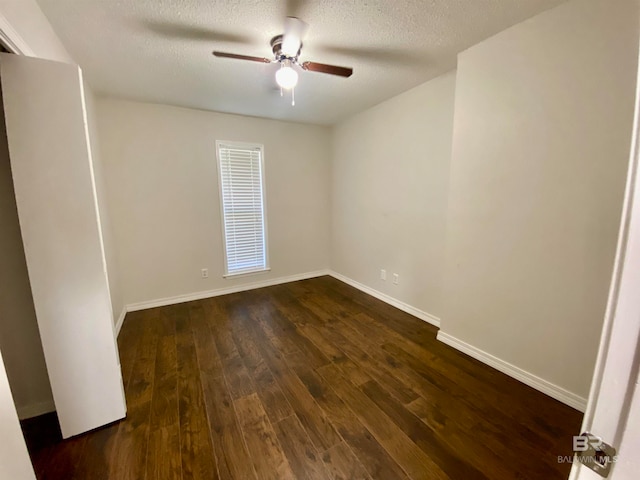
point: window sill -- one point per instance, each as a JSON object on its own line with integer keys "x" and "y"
{"x": 244, "y": 274}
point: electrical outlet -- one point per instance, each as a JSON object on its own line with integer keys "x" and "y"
{"x": 383, "y": 274}
{"x": 396, "y": 279}
{"x": 205, "y": 273}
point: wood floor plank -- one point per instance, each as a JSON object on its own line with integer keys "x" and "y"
{"x": 370, "y": 362}
{"x": 272, "y": 397}
{"x": 493, "y": 462}
{"x": 518, "y": 424}
{"x": 128, "y": 341}
{"x": 310, "y": 379}
{"x": 342, "y": 464}
{"x": 352, "y": 300}
{"x": 468, "y": 386}
{"x": 268, "y": 457}
{"x": 431, "y": 443}
{"x": 300, "y": 451}
{"x": 164, "y": 459}
{"x": 128, "y": 457}
{"x": 240, "y": 383}
{"x": 208, "y": 357}
{"x": 406, "y": 453}
{"x": 198, "y": 462}
{"x": 232, "y": 456}
{"x": 265, "y": 316}
{"x": 372, "y": 455}
{"x": 326, "y": 347}
{"x": 164, "y": 405}
{"x": 68, "y": 459}
{"x": 401, "y": 371}
{"x": 320, "y": 430}
{"x": 314, "y": 355}
{"x": 458, "y": 409}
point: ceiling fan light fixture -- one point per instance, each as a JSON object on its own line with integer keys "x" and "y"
{"x": 286, "y": 76}
{"x": 286, "y": 50}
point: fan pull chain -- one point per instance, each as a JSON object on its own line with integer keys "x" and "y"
{"x": 281, "y": 92}
{"x": 293, "y": 97}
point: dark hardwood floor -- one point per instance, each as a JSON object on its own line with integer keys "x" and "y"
{"x": 307, "y": 380}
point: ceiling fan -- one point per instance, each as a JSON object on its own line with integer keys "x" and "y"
{"x": 286, "y": 50}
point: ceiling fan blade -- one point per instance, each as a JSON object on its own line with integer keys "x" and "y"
{"x": 194, "y": 32}
{"x": 241, "y": 57}
{"x": 330, "y": 69}
{"x": 294, "y": 32}
{"x": 378, "y": 55}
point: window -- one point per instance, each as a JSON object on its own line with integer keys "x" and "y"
{"x": 241, "y": 178}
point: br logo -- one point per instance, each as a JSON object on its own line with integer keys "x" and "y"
{"x": 586, "y": 443}
{"x": 595, "y": 454}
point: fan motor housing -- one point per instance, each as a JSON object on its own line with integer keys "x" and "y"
{"x": 276, "y": 47}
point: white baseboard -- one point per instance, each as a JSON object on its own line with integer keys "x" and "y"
{"x": 120, "y": 320}
{"x": 548, "y": 388}
{"x": 161, "y": 302}
{"x": 35, "y": 409}
{"x": 405, "y": 307}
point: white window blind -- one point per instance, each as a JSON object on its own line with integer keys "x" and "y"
{"x": 242, "y": 199}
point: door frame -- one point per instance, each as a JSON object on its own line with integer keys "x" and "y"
{"x": 618, "y": 362}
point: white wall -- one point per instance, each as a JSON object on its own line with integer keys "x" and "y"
{"x": 541, "y": 142}
{"x": 390, "y": 181}
{"x": 162, "y": 186}
{"x": 19, "y": 336}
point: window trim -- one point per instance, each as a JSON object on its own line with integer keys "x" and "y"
{"x": 260, "y": 146}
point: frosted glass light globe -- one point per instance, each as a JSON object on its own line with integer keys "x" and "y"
{"x": 287, "y": 78}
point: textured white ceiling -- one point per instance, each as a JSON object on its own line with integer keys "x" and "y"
{"x": 160, "y": 50}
